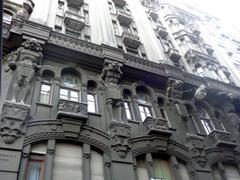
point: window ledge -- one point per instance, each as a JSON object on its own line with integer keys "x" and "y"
{"x": 132, "y": 121}
{"x": 94, "y": 114}
{"x": 44, "y": 104}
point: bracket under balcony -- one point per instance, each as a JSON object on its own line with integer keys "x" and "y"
{"x": 119, "y": 3}
{"x": 74, "y": 21}
{"x": 75, "y": 3}
{"x": 124, "y": 19}
{"x": 72, "y": 109}
{"x": 223, "y": 139}
{"x": 162, "y": 32}
{"x": 131, "y": 40}
{"x": 157, "y": 126}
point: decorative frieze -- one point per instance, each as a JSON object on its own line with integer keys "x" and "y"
{"x": 120, "y": 135}
{"x": 194, "y": 56}
{"x": 157, "y": 126}
{"x": 219, "y": 138}
{"x": 73, "y": 109}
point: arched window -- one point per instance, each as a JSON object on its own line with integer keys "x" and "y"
{"x": 127, "y": 104}
{"x": 70, "y": 86}
{"x": 92, "y": 96}
{"x": 46, "y": 87}
{"x": 205, "y": 120}
{"x": 144, "y": 103}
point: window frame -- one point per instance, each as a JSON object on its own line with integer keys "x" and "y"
{"x": 69, "y": 90}
{"x": 95, "y": 102}
{"x": 50, "y": 92}
{"x": 39, "y": 158}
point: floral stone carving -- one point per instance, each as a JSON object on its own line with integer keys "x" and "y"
{"x": 120, "y": 134}
{"x": 72, "y": 109}
{"x": 157, "y": 126}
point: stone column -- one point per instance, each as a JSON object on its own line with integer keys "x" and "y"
{"x": 24, "y": 162}
{"x": 86, "y": 161}
{"x": 49, "y": 159}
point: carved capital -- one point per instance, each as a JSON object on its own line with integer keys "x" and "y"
{"x": 120, "y": 135}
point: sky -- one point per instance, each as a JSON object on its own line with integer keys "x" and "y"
{"x": 227, "y": 10}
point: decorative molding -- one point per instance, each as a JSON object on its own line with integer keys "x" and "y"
{"x": 120, "y": 135}
{"x": 65, "y": 41}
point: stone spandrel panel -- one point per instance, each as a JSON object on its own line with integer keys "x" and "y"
{"x": 9, "y": 160}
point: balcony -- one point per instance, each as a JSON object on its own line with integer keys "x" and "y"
{"x": 119, "y": 3}
{"x": 174, "y": 55}
{"x": 72, "y": 109}
{"x": 221, "y": 139}
{"x": 195, "y": 29}
{"x": 130, "y": 40}
{"x": 124, "y": 18}
{"x": 196, "y": 56}
{"x": 75, "y": 3}
{"x": 157, "y": 126}
{"x": 74, "y": 21}
{"x": 209, "y": 49}
{"x": 153, "y": 14}
{"x": 162, "y": 32}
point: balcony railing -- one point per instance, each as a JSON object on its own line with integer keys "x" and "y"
{"x": 74, "y": 21}
{"x": 131, "y": 40}
{"x": 157, "y": 126}
{"x": 174, "y": 55}
{"x": 153, "y": 14}
{"x": 119, "y": 3}
{"x": 193, "y": 55}
{"x": 75, "y": 3}
{"x": 162, "y": 32}
{"x": 124, "y": 19}
{"x": 73, "y": 109}
{"x": 221, "y": 139}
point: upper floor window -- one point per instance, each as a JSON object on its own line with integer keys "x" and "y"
{"x": 92, "y": 96}
{"x": 127, "y": 104}
{"x": 70, "y": 86}
{"x": 7, "y": 18}
{"x": 46, "y": 87}
{"x": 205, "y": 120}
{"x": 115, "y": 27}
{"x": 144, "y": 103}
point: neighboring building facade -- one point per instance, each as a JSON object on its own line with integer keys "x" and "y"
{"x": 115, "y": 89}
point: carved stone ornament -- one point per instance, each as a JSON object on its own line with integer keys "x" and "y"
{"x": 10, "y": 130}
{"x": 157, "y": 126}
{"x": 120, "y": 134}
{"x": 197, "y": 149}
{"x": 111, "y": 76}
{"x": 13, "y": 117}
{"x": 24, "y": 62}
{"x": 201, "y": 92}
{"x": 72, "y": 109}
{"x": 174, "y": 89}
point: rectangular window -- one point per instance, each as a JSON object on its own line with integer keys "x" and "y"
{"x": 58, "y": 21}
{"x": 128, "y": 110}
{"x": 35, "y": 168}
{"x": 45, "y": 94}
{"x": 208, "y": 127}
{"x": 87, "y": 38}
{"x": 145, "y": 111}
{"x": 91, "y": 100}
{"x": 69, "y": 94}
{"x": 115, "y": 27}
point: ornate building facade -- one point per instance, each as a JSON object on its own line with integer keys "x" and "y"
{"x": 115, "y": 89}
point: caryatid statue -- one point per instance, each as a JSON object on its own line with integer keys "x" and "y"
{"x": 25, "y": 61}
{"x": 111, "y": 75}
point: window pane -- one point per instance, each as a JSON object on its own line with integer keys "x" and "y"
{"x": 45, "y": 94}
{"x": 91, "y": 107}
{"x": 90, "y": 97}
{"x": 74, "y": 95}
{"x": 96, "y": 162}
{"x": 67, "y": 162}
{"x": 162, "y": 169}
{"x": 231, "y": 172}
{"x": 127, "y": 110}
{"x": 64, "y": 93}
{"x": 143, "y": 116}
{"x": 34, "y": 170}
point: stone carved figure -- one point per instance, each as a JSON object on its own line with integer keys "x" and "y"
{"x": 111, "y": 75}
{"x": 10, "y": 130}
{"x": 25, "y": 61}
{"x": 174, "y": 89}
{"x": 120, "y": 134}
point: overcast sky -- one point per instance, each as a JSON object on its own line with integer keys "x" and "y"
{"x": 227, "y": 10}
